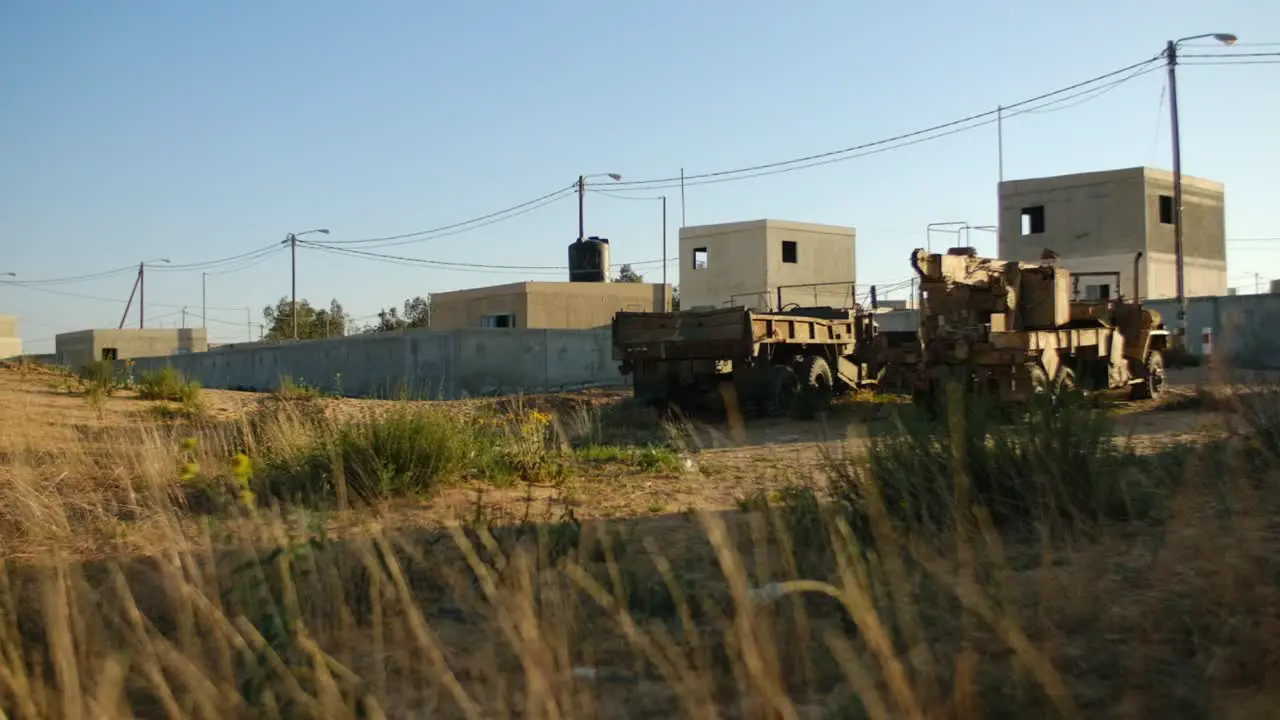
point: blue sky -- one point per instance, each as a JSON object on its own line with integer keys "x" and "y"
{"x": 196, "y": 131}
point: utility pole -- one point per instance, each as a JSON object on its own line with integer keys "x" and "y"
{"x": 582, "y": 191}
{"x": 665, "y": 302}
{"x": 248, "y": 325}
{"x": 142, "y": 294}
{"x": 1171, "y": 60}
{"x": 292, "y": 241}
{"x": 1171, "y": 56}
{"x": 204, "y": 302}
{"x": 293, "y": 281}
{"x": 184, "y": 317}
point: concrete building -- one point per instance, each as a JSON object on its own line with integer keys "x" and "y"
{"x": 544, "y": 305}
{"x": 1099, "y": 221}
{"x": 10, "y": 343}
{"x": 745, "y": 263}
{"x": 82, "y": 347}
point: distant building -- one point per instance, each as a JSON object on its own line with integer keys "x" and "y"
{"x": 1100, "y": 221}
{"x": 82, "y": 347}
{"x": 10, "y": 343}
{"x": 751, "y": 263}
{"x": 544, "y": 305}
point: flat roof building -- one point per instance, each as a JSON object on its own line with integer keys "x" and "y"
{"x": 1100, "y": 221}
{"x": 545, "y": 305}
{"x": 77, "y": 349}
{"x": 10, "y": 343}
{"x": 751, "y": 263}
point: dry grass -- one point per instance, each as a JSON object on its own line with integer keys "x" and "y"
{"x": 820, "y": 599}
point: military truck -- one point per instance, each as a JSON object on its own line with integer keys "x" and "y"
{"x": 773, "y": 363}
{"x": 1013, "y": 329}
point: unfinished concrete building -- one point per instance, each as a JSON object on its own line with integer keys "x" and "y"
{"x": 1098, "y": 222}
{"x": 10, "y": 343}
{"x": 751, "y": 263}
{"x": 544, "y": 305}
{"x": 77, "y": 349}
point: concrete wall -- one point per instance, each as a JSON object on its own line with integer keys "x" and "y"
{"x": 745, "y": 264}
{"x": 546, "y": 305}
{"x": 424, "y": 363}
{"x": 1098, "y": 221}
{"x": 85, "y": 346}
{"x": 1240, "y": 325}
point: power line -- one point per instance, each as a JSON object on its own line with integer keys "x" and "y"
{"x": 1097, "y": 92}
{"x": 463, "y": 266}
{"x": 463, "y": 226}
{"x": 886, "y": 145}
{"x": 1233, "y": 62}
{"x": 1229, "y": 55}
{"x": 77, "y": 278}
{"x": 886, "y": 141}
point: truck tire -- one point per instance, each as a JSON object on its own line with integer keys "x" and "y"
{"x": 819, "y": 386}
{"x": 1151, "y": 383}
{"x": 1066, "y": 380}
{"x": 782, "y": 390}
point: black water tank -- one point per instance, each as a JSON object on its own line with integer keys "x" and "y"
{"x": 589, "y": 260}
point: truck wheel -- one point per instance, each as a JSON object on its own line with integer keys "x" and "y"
{"x": 819, "y": 387}
{"x": 1151, "y": 384}
{"x": 1066, "y": 380}
{"x": 783, "y": 386}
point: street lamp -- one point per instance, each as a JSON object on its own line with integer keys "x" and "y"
{"x": 292, "y": 241}
{"x": 142, "y": 289}
{"x": 1171, "y": 58}
{"x": 9, "y": 274}
{"x": 582, "y": 191}
{"x": 929, "y": 230}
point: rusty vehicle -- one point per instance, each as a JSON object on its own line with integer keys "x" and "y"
{"x": 772, "y": 363}
{"x": 1013, "y": 329}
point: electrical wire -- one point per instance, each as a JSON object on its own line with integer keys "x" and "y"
{"x": 1229, "y": 55}
{"x": 464, "y": 266}
{"x": 1097, "y": 92}
{"x": 675, "y": 180}
{"x": 880, "y": 146}
{"x": 1204, "y": 63}
{"x": 463, "y": 226}
{"x": 76, "y": 278}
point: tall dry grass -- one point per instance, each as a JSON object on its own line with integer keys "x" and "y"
{"x": 967, "y": 569}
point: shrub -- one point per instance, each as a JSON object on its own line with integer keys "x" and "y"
{"x": 100, "y": 378}
{"x": 167, "y": 383}
{"x": 1058, "y": 462}
{"x": 405, "y": 451}
{"x": 649, "y": 458}
{"x": 290, "y": 389}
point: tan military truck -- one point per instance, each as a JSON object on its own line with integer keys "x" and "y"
{"x": 771, "y": 363}
{"x": 1012, "y": 329}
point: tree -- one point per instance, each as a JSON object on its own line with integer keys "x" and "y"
{"x": 627, "y": 275}
{"x": 312, "y": 323}
{"x": 417, "y": 314}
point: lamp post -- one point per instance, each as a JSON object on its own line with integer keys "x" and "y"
{"x": 1171, "y": 59}
{"x": 142, "y": 290}
{"x": 582, "y": 191}
{"x": 292, "y": 241}
{"x": 929, "y": 229}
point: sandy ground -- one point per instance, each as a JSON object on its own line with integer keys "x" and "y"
{"x": 723, "y": 463}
